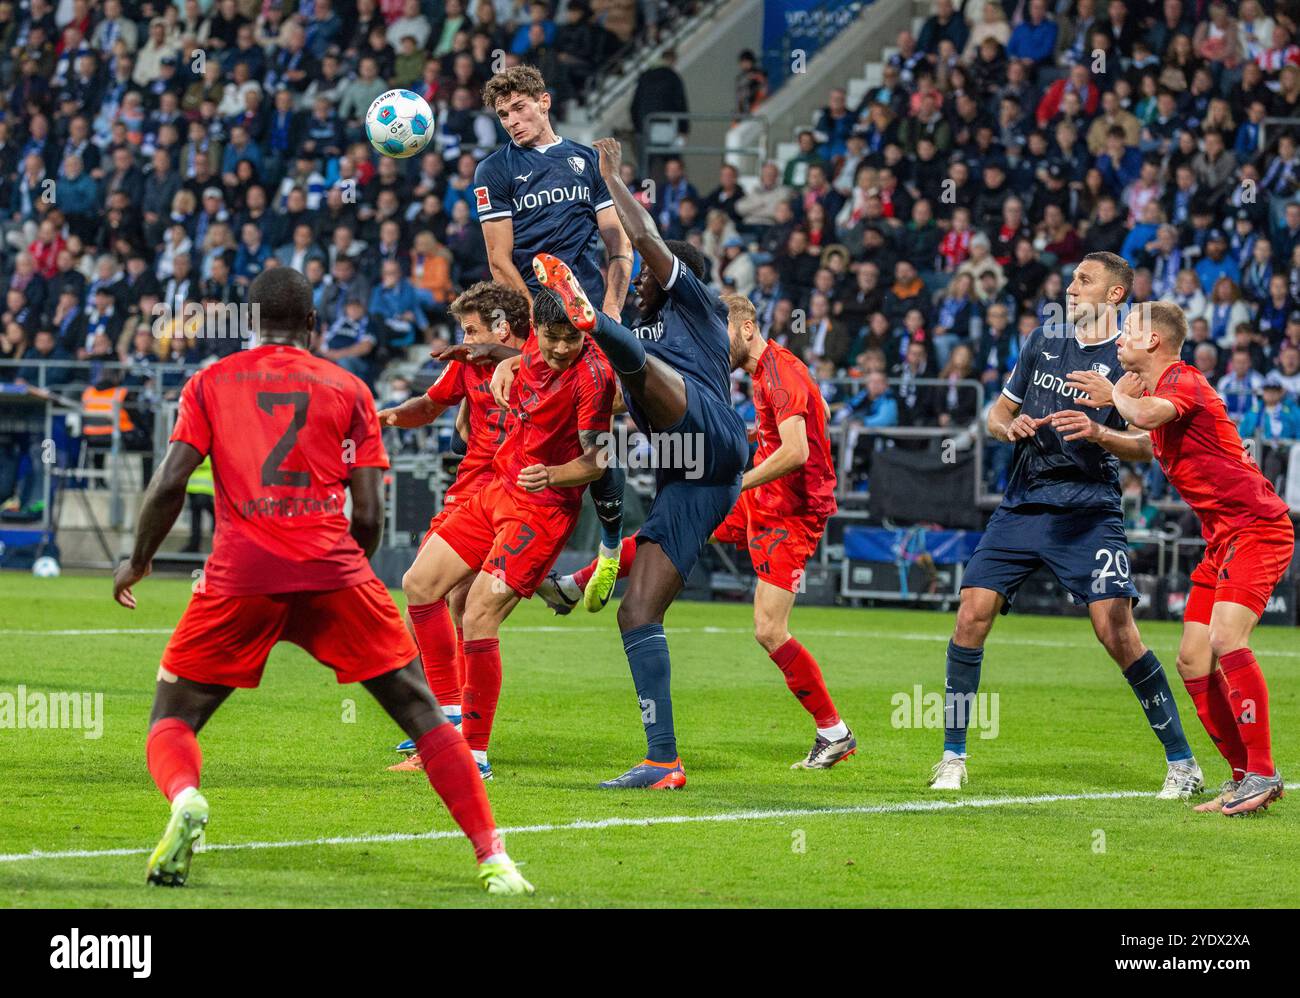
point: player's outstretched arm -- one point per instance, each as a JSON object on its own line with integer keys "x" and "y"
{"x": 1146, "y": 413}
{"x": 417, "y": 411}
{"x": 634, "y": 219}
{"x": 618, "y": 248}
{"x": 792, "y": 454}
{"x": 1073, "y": 424}
{"x": 162, "y": 503}
{"x": 367, "y": 508}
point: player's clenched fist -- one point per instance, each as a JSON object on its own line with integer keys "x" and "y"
{"x": 611, "y": 156}
{"x": 534, "y": 478}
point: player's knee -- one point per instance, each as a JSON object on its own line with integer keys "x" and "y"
{"x": 417, "y": 588}
{"x": 634, "y": 613}
{"x": 770, "y": 633}
{"x": 973, "y": 624}
{"x": 1224, "y": 642}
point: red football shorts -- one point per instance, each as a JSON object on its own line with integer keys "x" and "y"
{"x": 451, "y": 503}
{"x": 358, "y": 632}
{"x": 1244, "y": 568}
{"x": 779, "y": 545}
{"x": 499, "y": 531}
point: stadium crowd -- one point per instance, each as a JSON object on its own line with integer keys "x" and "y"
{"x": 169, "y": 152}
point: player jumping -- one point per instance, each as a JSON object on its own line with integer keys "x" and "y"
{"x": 507, "y": 535}
{"x": 541, "y": 193}
{"x": 675, "y": 381}
{"x": 489, "y": 314}
{"x": 288, "y": 434}
{"x": 786, "y": 498}
{"x": 1248, "y": 536}
{"x": 1062, "y": 509}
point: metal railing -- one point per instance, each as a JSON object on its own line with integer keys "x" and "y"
{"x": 670, "y": 122}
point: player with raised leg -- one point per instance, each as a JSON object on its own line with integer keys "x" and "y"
{"x": 288, "y": 434}
{"x": 1248, "y": 535}
{"x": 490, "y": 314}
{"x": 544, "y": 194}
{"x": 1062, "y": 510}
{"x": 676, "y": 381}
{"x": 785, "y": 500}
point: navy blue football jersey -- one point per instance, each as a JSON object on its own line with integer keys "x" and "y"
{"x": 552, "y": 194}
{"x": 1046, "y": 470}
{"x": 689, "y": 335}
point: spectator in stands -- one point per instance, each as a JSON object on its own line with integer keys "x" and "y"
{"x": 1239, "y": 387}
{"x": 1033, "y": 41}
{"x": 660, "y": 90}
{"x": 834, "y": 124}
{"x": 757, "y": 208}
{"x": 796, "y": 170}
{"x": 874, "y": 405}
{"x": 751, "y": 83}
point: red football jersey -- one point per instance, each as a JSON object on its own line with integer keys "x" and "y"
{"x": 1201, "y": 455}
{"x": 553, "y": 407}
{"x": 784, "y": 388}
{"x": 284, "y": 429}
{"x": 489, "y": 423}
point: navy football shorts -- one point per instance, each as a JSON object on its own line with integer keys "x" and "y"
{"x": 1086, "y": 550}
{"x": 690, "y": 502}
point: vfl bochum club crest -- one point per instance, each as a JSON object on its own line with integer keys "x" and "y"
{"x": 577, "y": 163}
{"x": 1102, "y": 369}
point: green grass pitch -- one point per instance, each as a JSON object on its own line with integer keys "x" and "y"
{"x": 303, "y": 758}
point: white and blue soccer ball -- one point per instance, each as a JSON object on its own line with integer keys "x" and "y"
{"x": 399, "y": 123}
{"x": 45, "y": 567}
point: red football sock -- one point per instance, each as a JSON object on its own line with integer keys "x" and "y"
{"x": 1248, "y": 694}
{"x": 453, "y": 774}
{"x": 437, "y": 640}
{"x": 626, "y": 555}
{"x": 804, "y": 678}
{"x": 482, "y": 689}
{"x": 1210, "y": 695}
{"x": 175, "y": 759}
{"x": 460, "y": 660}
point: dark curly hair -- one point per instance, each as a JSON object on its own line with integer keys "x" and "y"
{"x": 524, "y": 80}
{"x": 692, "y": 256}
{"x": 492, "y": 301}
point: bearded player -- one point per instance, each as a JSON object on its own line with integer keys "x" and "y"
{"x": 288, "y": 433}
{"x": 675, "y": 373}
{"x": 1248, "y": 535}
{"x": 1062, "y": 510}
{"x": 491, "y": 315}
{"x": 541, "y": 193}
{"x": 785, "y": 501}
{"x": 506, "y": 536}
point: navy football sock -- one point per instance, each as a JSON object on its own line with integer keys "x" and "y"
{"x": 647, "y": 655}
{"x": 607, "y": 495}
{"x": 625, "y": 352}
{"x": 963, "y": 680}
{"x": 1147, "y": 677}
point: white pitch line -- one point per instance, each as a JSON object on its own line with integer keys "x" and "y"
{"x": 994, "y": 639}
{"x": 905, "y": 807}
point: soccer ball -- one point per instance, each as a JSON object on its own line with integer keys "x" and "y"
{"x": 45, "y": 567}
{"x": 399, "y": 123}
